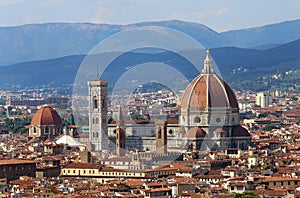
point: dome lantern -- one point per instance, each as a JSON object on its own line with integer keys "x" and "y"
{"x": 208, "y": 64}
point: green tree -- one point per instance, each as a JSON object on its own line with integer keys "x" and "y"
{"x": 244, "y": 195}
{"x": 16, "y": 124}
{"x": 269, "y": 127}
{"x": 24, "y": 131}
{"x": 71, "y": 120}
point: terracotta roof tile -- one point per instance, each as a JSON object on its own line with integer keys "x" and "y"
{"x": 195, "y": 132}
{"x": 46, "y": 116}
{"x": 16, "y": 161}
{"x": 208, "y": 91}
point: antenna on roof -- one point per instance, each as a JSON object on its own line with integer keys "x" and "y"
{"x": 97, "y": 77}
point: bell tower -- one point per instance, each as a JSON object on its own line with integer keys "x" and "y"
{"x": 98, "y": 114}
{"x": 120, "y": 135}
{"x": 161, "y": 137}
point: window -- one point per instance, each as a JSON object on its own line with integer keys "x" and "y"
{"x": 159, "y": 132}
{"x": 103, "y": 103}
{"x": 240, "y": 188}
{"x": 197, "y": 119}
{"x": 95, "y": 105}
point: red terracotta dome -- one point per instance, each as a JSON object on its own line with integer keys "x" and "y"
{"x": 46, "y": 116}
{"x": 195, "y": 132}
{"x": 208, "y": 90}
{"x": 239, "y": 131}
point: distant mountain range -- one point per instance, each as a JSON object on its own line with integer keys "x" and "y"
{"x": 53, "y": 40}
{"x": 237, "y": 66}
{"x": 50, "y": 54}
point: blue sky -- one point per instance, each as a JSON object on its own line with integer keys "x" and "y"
{"x": 219, "y": 15}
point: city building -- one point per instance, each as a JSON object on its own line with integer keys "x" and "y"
{"x": 209, "y": 119}
{"x": 263, "y": 99}
{"x": 12, "y": 169}
{"x": 210, "y": 113}
{"x": 45, "y": 123}
{"x": 98, "y": 101}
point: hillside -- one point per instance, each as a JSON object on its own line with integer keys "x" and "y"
{"x": 52, "y": 40}
{"x": 240, "y": 67}
{"x": 278, "y": 33}
{"x": 278, "y": 59}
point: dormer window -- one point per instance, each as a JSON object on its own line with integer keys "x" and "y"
{"x": 47, "y": 130}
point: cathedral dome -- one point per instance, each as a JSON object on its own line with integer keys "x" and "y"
{"x": 208, "y": 90}
{"x": 46, "y": 116}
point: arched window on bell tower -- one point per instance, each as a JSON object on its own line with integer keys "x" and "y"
{"x": 159, "y": 132}
{"x": 103, "y": 103}
{"x": 95, "y": 102}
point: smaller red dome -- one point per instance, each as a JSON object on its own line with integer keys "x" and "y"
{"x": 220, "y": 130}
{"x": 181, "y": 130}
{"x": 46, "y": 116}
{"x": 239, "y": 131}
{"x": 195, "y": 132}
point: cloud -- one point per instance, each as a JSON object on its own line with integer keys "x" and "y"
{"x": 52, "y": 3}
{"x": 109, "y": 12}
{"x": 200, "y": 14}
{"x": 222, "y": 11}
{"x": 11, "y": 2}
{"x": 210, "y": 13}
{"x": 103, "y": 14}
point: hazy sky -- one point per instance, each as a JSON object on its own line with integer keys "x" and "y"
{"x": 219, "y": 15}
